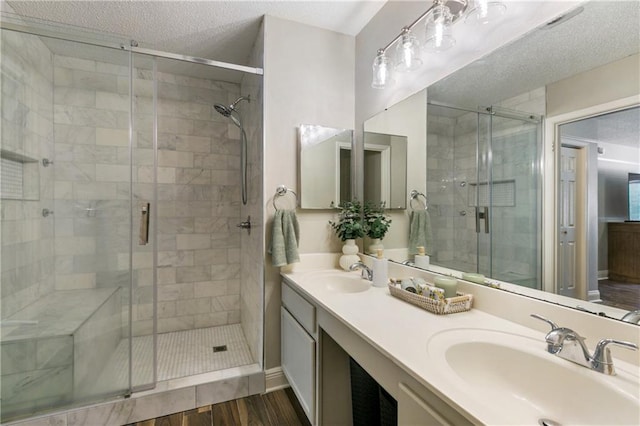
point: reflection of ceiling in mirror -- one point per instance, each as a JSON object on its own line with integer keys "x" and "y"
{"x": 604, "y": 32}
{"x": 621, "y": 128}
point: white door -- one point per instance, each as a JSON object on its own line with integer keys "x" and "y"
{"x": 567, "y": 247}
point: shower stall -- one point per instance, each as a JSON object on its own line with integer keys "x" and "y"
{"x": 484, "y": 186}
{"x": 122, "y": 264}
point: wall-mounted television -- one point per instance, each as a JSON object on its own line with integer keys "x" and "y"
{"x": 634, "y": 197}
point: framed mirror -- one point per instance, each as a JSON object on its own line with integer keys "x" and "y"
{"x": 325, "y": 166}
{"x": 491, "y": 163}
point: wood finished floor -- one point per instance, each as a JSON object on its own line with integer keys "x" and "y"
{"x": 278, "y": 408}
{"x": 620, "y": 295}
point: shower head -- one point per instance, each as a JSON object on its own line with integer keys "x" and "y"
{"x": 228, "y": 111}
{"x": 223, "y": 109}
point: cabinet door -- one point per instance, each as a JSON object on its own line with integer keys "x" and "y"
{"x": 413, "y": 410}
{"x": 298, "y": 361}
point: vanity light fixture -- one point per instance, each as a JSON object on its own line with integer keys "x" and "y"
{"x": 440, "y": 17}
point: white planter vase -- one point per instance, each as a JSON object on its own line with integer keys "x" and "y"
{"x": 349, "y": 254}
{"x": 375, "y": 245}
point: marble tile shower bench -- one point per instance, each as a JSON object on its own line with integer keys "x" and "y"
{"x": 53, "y": 349}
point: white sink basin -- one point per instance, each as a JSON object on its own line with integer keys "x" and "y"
{"x": 340, "y": 282}
{"x": 515, "y": 375}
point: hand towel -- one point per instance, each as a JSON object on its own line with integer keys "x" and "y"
{"x": 285, "y": 237}
{"x": 420, "y": 231}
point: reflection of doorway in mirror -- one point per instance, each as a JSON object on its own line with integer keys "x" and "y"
{"x": 571, "y": 213}
{"x": 613, "y": 138}
{"x": 377, "y": 168}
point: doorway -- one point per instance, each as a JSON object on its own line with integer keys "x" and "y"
{"x": 599, "y": 154}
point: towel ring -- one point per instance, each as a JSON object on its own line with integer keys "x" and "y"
{"x": 281, "y": 191}
{"x": 413, "y": 196}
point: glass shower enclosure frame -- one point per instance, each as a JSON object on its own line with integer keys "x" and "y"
{"x": 79, "y": 217}
{"x": 484, "y": 183}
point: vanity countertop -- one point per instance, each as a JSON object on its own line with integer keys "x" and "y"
{"x": 402, "y": 333}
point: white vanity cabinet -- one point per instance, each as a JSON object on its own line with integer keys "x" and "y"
{"x": 316, "y": 351}
{"x": 298, "y": 347}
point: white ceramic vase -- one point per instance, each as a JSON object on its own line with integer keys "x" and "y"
{"x": 349, "y": 254}
{"x": 375, "y": 245}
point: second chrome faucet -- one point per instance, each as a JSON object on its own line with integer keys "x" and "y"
{"x": 569, "y": 345}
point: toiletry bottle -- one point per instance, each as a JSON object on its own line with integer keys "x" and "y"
{"x": 380, "y": 270}
{"x": 421, "y": 259}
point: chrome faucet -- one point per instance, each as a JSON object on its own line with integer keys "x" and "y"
{"x": 632, "y": 317}
{"x": 367, "y": 273}
{"x": 569, "y": 345}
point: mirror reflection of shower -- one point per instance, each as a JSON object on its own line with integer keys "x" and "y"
{"x": 235, "y": 116}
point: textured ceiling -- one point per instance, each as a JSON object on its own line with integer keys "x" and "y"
{"x": 220, "y": 30}
{"x": 621, "y": 128}
{"x": 604, "y": 32}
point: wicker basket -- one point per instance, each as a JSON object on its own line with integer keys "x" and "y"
{"x": 451, "y": 305}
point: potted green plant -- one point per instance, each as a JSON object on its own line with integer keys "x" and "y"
{"x": 348, "y": 227}
{"x": 376, "y": 224}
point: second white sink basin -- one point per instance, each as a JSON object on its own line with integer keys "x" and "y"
{"x": 340, "y": 282}
{"x": 515, "y": 374}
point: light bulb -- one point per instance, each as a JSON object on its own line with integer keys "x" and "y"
{"x": 408, "y": 52}
{"x": 484, "y": 11}
{"x": 438, "y": 29}
{"x": 382, "y": 71}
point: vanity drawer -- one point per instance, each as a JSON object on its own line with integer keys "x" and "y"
{"x": 303, "y": 311}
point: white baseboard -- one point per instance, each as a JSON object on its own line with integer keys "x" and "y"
{"x": 603, "y": 275}
{"x": 275, "y": 379}
{"x": 594, "y": 296}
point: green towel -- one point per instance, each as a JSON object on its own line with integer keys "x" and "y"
{"x": 420, "y": 231}
{"x": 285, "y": 237}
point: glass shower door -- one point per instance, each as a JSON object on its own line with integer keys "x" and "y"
{"x": 67, "y": 223}
{"x": 483, "y": 183}
{"x": 515, "y": 199}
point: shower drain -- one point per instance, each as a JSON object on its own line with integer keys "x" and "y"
{"x": 221, "y": 348}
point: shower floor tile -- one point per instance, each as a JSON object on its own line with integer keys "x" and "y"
{"x": 180, "y": 354}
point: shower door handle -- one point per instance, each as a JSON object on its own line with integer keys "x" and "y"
{"x": 143, "y": 237}
{"x": 486, "y": 220}
{"x": 484, "y": 214}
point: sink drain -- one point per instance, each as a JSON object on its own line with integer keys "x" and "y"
{"x": 548, "y": 422}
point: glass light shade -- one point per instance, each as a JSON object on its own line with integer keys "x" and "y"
{"x": 483, "y": 12}
{"x": 438, "y": 29}
{"x": 382, "y": 71}
{"x": 408, "y": 53}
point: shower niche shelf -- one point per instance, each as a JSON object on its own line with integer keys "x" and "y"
{"x": 20, "y": 176}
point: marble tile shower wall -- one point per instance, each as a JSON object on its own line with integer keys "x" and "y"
{"x": 27, "y": 252}
{"x": 440, "y": 181}
{"x": 198, "y": 191}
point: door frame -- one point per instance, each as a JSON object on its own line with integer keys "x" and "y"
{"x": 551, "y": 172}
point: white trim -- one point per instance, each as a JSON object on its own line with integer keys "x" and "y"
{"x": 603, "y": 274}
{"x": 275, "y": 379}
{"x": 594, "y": 296}
{"x": 550, "y": 166}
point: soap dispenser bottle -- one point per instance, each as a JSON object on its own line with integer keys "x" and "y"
{"x": 380, "y": 270}
{"x": 421, "y": 259}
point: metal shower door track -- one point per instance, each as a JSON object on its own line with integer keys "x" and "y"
{"x": 126, "y": 46}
